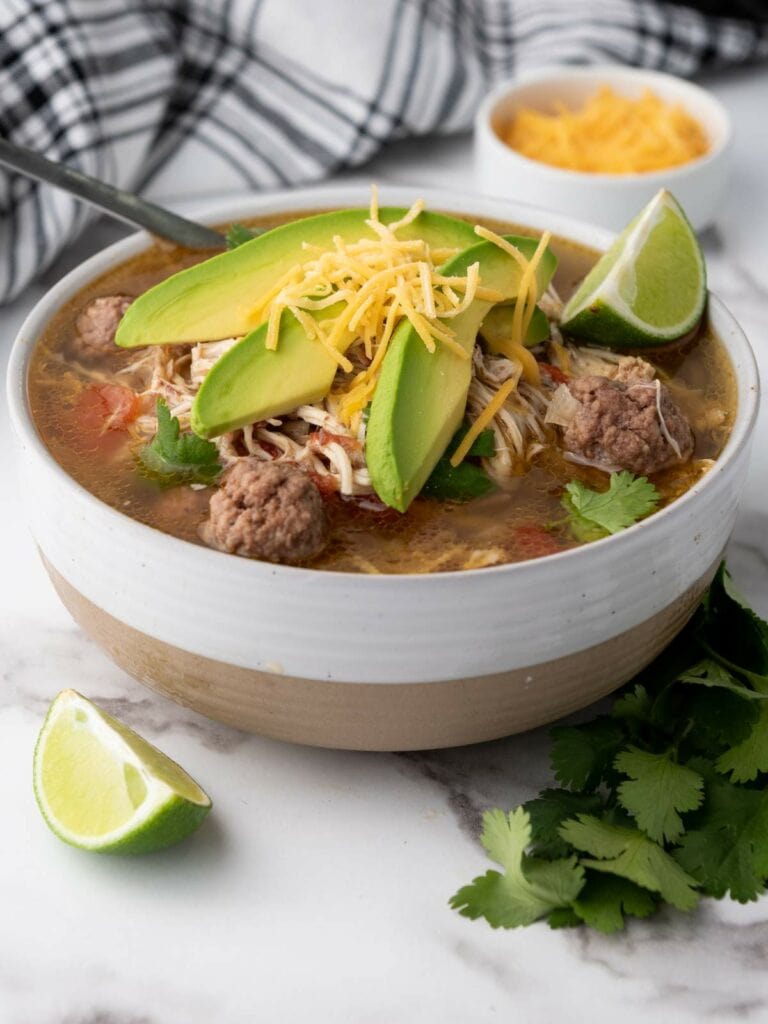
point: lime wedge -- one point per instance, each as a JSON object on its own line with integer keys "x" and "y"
{"x": 649, "y": 288}
{"x": 102, "y": 787}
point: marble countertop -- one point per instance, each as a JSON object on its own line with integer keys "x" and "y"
{"x": 318, "y": 889}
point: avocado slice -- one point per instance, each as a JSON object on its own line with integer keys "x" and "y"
{"x": 216, "y": 299}
{"x": 496, "y": 329}
{"x": 251, "y": 382}
{"x": 420, "y": 396}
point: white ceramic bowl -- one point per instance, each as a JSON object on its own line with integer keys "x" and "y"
{"x": 376, "y": 662}
{"x": 607, "y": 199}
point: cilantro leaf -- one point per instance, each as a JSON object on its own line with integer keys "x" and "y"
{"x": 716, "y": 713}
{"x": 676, "y": 659}
{"x": 484, "y": 445}
{"x": 728, "y": 848}
{"x": 583, "y": 530}
{"x": 749, "y": 758}
{"x": 628, "y": 499}
{"x": 658, "y": 790}
{"x": 460, "y": 483}
{"x": 733, "y": 633}
{"x": 467, "y": 480}
{"x": 711, "y": 673}
{"x": 176, "y": 458}
{"x": 237, "y": 235}
{"x": 581, "y": 754}
{"x": 529, "y": 889}
{"x": 720, "y": 713}
{"x": 630, "y": 854}
{"x": 717, "y": 718}
{"x": 563, "y": 917}
{"x": 633, "y": 706}
{"x": 606, "y": 899}
{"x": 547, "y": 813}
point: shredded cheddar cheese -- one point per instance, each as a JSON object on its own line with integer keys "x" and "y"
{"x": 483, "y": 420}
{"x": 610, "y": 134}
{"x": 528, "y": 365}
{"x": 515, "y": 348}
{"x": 561, "y": 355}
{"x": 376, "y": 281}
{"x": 366, "y": 288}
{"x": 527, "y": 298}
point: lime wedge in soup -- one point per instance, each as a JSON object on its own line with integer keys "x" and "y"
{"x": 648, "y": 289}
{"x": 101, "y": 787}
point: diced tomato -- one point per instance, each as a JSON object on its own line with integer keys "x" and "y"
{"x": 104, "y": 407}
{"x": 557, "y": 375}
{"x": 322, "y": 437}
{"x": 325, "y": 484}
{"x": 102, "y": 414}
{"x": 535, "y": 541}
{"x": 271, "y": 449}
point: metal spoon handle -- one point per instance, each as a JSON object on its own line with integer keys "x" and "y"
{"x": 124, "y": 205}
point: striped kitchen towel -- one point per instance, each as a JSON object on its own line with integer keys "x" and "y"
{"x": 180, "y": 97}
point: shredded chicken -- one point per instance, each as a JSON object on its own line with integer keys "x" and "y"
{"x": 313, "y": 436}
{"x": 633, "y": 369}
{"x": 518, "y": 425}
{"x": 588, "y": 361}
{"x": 552, "y": 304}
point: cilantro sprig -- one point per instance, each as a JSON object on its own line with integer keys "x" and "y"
{"x": 174, "y": 458}
{"x": 529, "y": 888}
{"x": 663, "y": 800}
{"x": 468, "y": 480}
{"x": 595, "y": 514}
{"x": 238, "y": 234}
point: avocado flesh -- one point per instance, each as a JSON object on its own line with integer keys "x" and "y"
{"x": 216, "y": 299}
{"x": 251, "y": 382}
{"x": 496, "y": 329}
{"x": 421, "y": 397}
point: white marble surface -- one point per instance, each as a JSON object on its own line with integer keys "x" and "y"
{"x": 317, "y": 889}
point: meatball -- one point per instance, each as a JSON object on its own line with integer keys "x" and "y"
{"x": 633, "y": 370}
{"x": 96, "y": 326}
{"x": 627, "y": 425}
{"x": 267, "y": 510}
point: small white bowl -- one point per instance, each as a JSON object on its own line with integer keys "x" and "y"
{"x": 607, "y": 199}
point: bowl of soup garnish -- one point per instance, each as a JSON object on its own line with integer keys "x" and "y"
{"x": 599, "y": 141}
{"x": 392, "y": 472}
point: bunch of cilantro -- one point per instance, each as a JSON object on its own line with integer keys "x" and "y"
{"x": 663, "y": 800}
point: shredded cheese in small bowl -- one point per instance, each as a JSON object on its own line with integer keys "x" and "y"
{"x": 609, "y": 134}
{"x": 596, "y": 142}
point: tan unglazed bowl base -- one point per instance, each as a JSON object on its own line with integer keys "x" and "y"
{"x": 383, "y": 716}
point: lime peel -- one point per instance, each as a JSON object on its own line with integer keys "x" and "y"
{"x": 636, "y": 272}
{"x": 102, "y": 787}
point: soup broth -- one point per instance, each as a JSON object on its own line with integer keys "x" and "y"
{"x": 522, "y": 519}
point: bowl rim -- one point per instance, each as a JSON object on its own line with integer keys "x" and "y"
{"x": 321, "y": 198}
{"x": 608, "y": 74}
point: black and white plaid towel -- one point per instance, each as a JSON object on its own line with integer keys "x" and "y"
{"x": 176, "y": 97}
